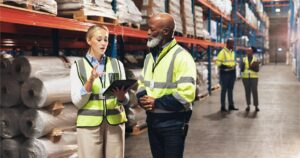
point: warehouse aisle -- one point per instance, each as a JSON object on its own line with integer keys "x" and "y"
{"x": 271, "y": 133}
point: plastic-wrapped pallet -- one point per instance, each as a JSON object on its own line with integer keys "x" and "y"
{"x": 45, "y": 5}
{"x": 150, "y": 7}
{"x": 174, "y": 10}
{"x": 100, "y": 8}
{"x": 213, "y": 28}
{"x": 127, "y": 12}
{"x": 19, "y": 2}
{"x": 214, "y": 75}
{"x": 187, "y": 18}
{"x": 199, "y": 21}
{"x": 202, "y": 80}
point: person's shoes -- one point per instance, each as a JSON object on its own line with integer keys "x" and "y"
{"x": 248, "y": 109}
{"x": 257, "y": 109}
{"x": 233, "y": 108}
{"x": 224, "y": 110}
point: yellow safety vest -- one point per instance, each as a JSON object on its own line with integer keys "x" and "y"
{"x": 98, "y": 108}
{"x": 247, "y": 73}
{"x": 173, "y": 73}
{"x": 226, "y": 57}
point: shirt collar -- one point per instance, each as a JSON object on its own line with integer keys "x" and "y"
{"x": 93, "y": 59}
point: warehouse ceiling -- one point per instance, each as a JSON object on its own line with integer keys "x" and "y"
{"x": 277, "y": 8}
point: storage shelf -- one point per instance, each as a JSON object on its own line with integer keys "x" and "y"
{"x": 33, "y": 18}
{"x": 214, "y": 9}
{"x": 249, "y": 24}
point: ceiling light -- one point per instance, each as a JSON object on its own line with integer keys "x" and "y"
{"x": 279, "y": 49}
{"x": 277, "y": 10}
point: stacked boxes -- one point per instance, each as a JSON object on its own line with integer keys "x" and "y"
{"x": 127, "y": 12}
{"x": 187, "y": 18}
{"x": 199, "y": 21}
{"x": 174, "y": 10}
{"x": 150, "y": 7}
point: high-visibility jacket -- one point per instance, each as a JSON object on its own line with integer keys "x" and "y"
{"x": 248, "y": 73}
{"x": 98, "y": 107}
{"x": 227, "y": 58}
{"x": 173, "y": 73}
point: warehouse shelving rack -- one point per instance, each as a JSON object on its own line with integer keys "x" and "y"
{"x": 18, "y": 20}
{"x": 255, "y": 34}
{"x": 221, "y": 19}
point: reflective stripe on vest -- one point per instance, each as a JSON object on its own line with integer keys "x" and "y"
{"x": 247, "y": 73}
{"x": 169, "y": 85}
{"x": 92, "y": 113}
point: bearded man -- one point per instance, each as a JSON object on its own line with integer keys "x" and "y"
{"x": 167, "y": 88}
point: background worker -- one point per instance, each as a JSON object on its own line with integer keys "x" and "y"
{"x": 249, "y": 69}
{"x": 226, "y": 63}
{"x": 167, "y": 88}
{"x": 100, "y": 120}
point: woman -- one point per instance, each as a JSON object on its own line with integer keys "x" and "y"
{"x": 249, "y": 69}
{"x": 100, "y": 120}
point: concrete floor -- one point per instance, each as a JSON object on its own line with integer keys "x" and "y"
{"x": 274, "y": 132}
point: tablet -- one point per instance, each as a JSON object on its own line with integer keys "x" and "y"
{"x": 119, "y": 84}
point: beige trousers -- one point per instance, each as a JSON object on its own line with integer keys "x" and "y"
{"x": 105, "y": 141}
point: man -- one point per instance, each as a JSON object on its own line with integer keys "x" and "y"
{"x": 249, "y": 69}
{"x": 167, "y": 88}
{"x": 226, "y": 62}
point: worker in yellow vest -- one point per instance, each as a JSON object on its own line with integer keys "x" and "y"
{"x": 100, "y": 120}
{"x": 249, "y": 69}
{"x": 167, "y": 88}
{"x": 226, "y": 63}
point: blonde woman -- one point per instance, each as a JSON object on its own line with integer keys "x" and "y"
{"x": 100, "y": 120}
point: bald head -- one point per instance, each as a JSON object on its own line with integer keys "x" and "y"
{"x": 161, "y": 28}
{"x": 164, "y": 20}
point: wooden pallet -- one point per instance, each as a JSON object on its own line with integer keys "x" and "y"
{"x": 137, "y": 129}
{"x": 80, "y": 16}
{"x": 132, "y": 25}
{"x": 28, "y": 8}
{"x": 216, "y": 87}
{"x": 189, "y": 36}
{"x": 178, "y": 34}
{"x": 204, "y": 96}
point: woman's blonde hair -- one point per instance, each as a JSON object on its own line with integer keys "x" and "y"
{"x": 91, "y": 31}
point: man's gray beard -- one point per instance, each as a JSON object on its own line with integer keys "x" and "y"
{"x": 154, "y": 41}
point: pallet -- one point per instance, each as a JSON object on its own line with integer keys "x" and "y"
{"x": 137, "y": 129}
{"x": 132, "y": 25}
{"x": 216, "y": 87}
{"x": 24, "y": 7}
{"x": 55, "y": 135}
{"x": 55, "y": 108}
{"x": 178, "y": 34}
{"x": 189, "y": 36}
{"x": 28, "y": 5}
{"x": 203, "y": 97}
{"x": 27, "y": 8}
{"x": 80, "y": 16}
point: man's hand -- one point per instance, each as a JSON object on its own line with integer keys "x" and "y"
{"x": 147, "y": 102}
{"x": 119, "y": 93}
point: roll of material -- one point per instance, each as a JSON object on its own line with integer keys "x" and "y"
{"x": 9, "y": 118}
{"x": 35, "y": 123}
{"x": 10, "y": 92}
{"x": 10, "y": 148}
{"x": 44, "y": 148}
{"x": 38, "y": 93}
{"x": 45, "y": 68}
{"x": 5, "y": 65}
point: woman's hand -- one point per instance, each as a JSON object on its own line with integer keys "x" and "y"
{"x": 119, "y": 93}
